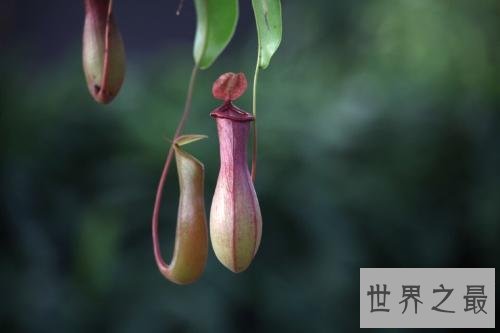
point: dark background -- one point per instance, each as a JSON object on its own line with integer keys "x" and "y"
{"x": 379, "y": 147}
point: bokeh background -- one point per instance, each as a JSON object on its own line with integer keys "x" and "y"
{"x": 379, "y": 147}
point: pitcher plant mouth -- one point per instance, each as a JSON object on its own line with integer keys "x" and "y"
{"x": 230, "y": 111}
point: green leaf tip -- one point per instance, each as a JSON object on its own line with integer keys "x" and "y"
{"x": 269, "y": 28}
{"x": 216, "y": 23}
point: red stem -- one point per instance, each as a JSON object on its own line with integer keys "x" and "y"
{"x": 107, "y": 33}
{"x": 162, "y": 265}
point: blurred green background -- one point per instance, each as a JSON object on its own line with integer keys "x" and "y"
{"x": 379, "y": 147}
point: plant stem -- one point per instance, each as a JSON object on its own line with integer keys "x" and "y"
{"x": 254, "y": 111}
{"x": 164, "y": 268}
{"x": 179, "y": 8}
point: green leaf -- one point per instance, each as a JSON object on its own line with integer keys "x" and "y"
{"x": 188, "y": 138}
{"x": 216, "y": 22}
{"x": 269, "y": 28}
